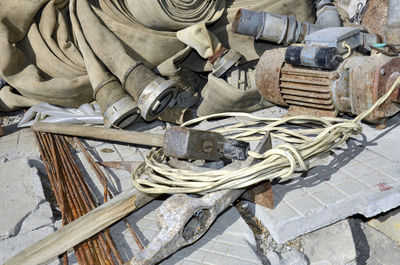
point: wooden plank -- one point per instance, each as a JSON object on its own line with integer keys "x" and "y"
{"x": 131, "y": 137}
{"x": 82, "y": 228}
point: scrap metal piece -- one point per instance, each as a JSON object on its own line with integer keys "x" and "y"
{"x": 181, "y": 142}
{"x": 336, "y": 36}
{"x": 376, "y": 16}
{"x": 313, "y": 56}
{"x": 123, "y": 165}
{"x": 176, "y": 115}
{"x": 223, "y": 60}
{"x": 183, "y": 219}
{"x": 261, "y": 194}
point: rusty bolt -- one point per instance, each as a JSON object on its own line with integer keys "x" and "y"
{"x": 207, "y": 146}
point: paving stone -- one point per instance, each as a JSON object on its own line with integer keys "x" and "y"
{"x": 330, "y": 245}
{"x": 389, "y": 224}
{"x": 229, "y": 240}
{"x": 361, "y": 179}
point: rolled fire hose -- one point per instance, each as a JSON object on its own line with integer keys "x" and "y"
{"x": 175, "y": 14}
{"x": 152, "y": 93}
{"x": 117, "y": 107}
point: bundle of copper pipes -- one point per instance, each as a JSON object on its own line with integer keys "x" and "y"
{"x": 75, "y": 199}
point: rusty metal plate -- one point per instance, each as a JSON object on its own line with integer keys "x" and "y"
{"x": 376, "y": 16}
{"x": 261, "y": 194}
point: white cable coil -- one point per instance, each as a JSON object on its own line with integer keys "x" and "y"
{"x": 296, "y": 154}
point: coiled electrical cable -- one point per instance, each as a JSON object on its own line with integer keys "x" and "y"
{"x": 297, "y": 152}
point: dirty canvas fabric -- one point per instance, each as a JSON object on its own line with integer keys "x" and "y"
{"x": 44, "y": 59}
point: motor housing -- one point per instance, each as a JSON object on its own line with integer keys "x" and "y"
{"x": 357, "y": 83}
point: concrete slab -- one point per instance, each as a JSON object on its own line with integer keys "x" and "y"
{"x": 12, "y": 246}
{"x": 20, "y": 194}
{"x": 364, "y": 178}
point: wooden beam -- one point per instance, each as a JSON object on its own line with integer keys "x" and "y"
{"x": 82, "y": 228}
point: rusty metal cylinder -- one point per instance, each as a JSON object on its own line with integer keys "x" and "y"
{"x": 283, "y": 29}
{"x": 270, "y": 27}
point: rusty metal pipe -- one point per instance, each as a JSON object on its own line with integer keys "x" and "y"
{"x": 83, "y": 251}
{"x": 103, "y": 181}
{"x": 73, "y": 198}
{"x": 50, "y": 174}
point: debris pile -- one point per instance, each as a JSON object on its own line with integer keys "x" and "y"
{"x": 285, "y": 110}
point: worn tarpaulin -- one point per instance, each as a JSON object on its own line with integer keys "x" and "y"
{"x": 43, "y": 58}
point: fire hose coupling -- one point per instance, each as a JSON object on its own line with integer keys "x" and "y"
{"x": 152, "y": 92}
{"x": 118, "y": 108}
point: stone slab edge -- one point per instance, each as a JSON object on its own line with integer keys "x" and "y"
{"x": 368, "y": 205}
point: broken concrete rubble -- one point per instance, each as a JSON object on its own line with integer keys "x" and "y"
{"x": 112, "y": 152}
{"x": 389, "y": 224}
{"x": 16, "y": 207}
{"x": 331, "y": 245}
{"x": 372, "y": 246}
